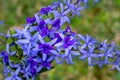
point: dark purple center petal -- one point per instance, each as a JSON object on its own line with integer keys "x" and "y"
{"x": 41, "y": 24}
{"x": 56, "y": 23}
{"x": 45, "y": 48}
{"x": 67, "y": 42}
{"x": 5, "y": 59}
{"x": 46, "y": 64}
{"x": 45, "y": 10}
{"x": 30, "y": 20}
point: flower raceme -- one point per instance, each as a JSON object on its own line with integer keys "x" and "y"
{"x": 32, "y": 50}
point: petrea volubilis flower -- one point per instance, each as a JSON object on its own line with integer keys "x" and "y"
{"x": 45, "y": 10}
{"x": 30, "y": 20}
{"x": 31, "y": 50}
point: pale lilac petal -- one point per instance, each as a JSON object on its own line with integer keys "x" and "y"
{"x": 44, "y": 56}
{"x": 83, "y": 57}
{"x": 81, "y": 37}
{"x": 54, "y": 52}
{"x": 51, "y": 58}
{"x": 39, "y": 68}
{"x": 24, "y": 41}
{"x": 67, "y": 52}
{"x": 75, "y": 53}
{"x": 7, "y": 49}
{"x": 17, "y": 71}
{"x": 59, "y": 44}
{"x": 52, "y": 42}
{"x": 37, "y": 17}
{"x": 41, "y": 39}
{"x": 89, "y": 61}
{"x": 61, "y": 7}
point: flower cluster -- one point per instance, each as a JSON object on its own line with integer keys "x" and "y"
{"x": 32, "y": 50}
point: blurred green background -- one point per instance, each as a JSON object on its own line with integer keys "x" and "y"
{"x": 101, "y": 21}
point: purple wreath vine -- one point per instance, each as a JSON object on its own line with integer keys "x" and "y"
{"x": 30, "y": 51}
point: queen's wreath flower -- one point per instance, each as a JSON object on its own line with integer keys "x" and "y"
{"x": 31, "y": 51}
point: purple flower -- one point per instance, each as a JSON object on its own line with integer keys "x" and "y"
{"x": 61, "y": 15}
{"x": 45, "y": 47}
{"x": 56, "y": 24}
{"x": 28, "y": 41}
{"x": 68, "y": 31}
{"x": 68, "y": 42}
{"x": 44, "y": 31}
{"x": 45, "y": 10}
{"x": 106, "y": 51}
{"x": 30, "y": 20}
{"x": 5, "y": 57}
{"x": 32, "y": 64}
{"x": 59, "y": 39}
{"x": 45, "y": 62}
{"x": 115, "y": 64}
{"x": 87, "y": 41}
{"x": 41, "y": 24}
{"x": 89, "y": 54}
{"x": 14, "y": 75}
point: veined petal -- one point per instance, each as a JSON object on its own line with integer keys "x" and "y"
{"x": 59, "y": 44}
{"x": 67, "y": 11}
{"x": 75, "y": 53}
{"x": 37, "y": 60}
{"x": 58, "y": 61}
{"x": 37, "y": 17}
{"x": 44, "y": 56}
{"x": 39, "y": 68}
{"x": 52, "y": 42}
{"x": 54, "y": 52}
{"x": 83, "y": 57}
{"x": 17, "y": 71}
{"x": 67, "y": 51}
{"x": 83, "y": 46}
{"x": 83, "y": 51}
{"x": 35, "y": 36}
{"x": 70, "y": 59}
{"x": 87, "y": 38}
{"x": 41, "y": 39}
{"x": 29, "y": 46}
{"x": 81, "y": 37}
{"x": 7, "y": 48}
{"x": 26, "y": 27}
{"x": 23, "y": 41}
{"x": 61, "y": 35}
{"x": 12, "y": 53}
{"x": 117, "y": 67}
{"x": 89, "y": 61}
{"x": 50, "y": 58}
{"x": 61, "y": 8}
{"x": 27, "y": 35}
{"x": 67, "y": 19}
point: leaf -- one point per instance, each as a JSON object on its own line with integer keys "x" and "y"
{"x": 12, "y": 32}
{"x": 9, "y": 40}
{"x": 37, "y": 77}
